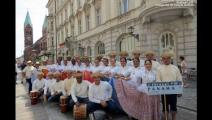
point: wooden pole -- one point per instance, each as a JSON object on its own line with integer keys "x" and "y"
{"x": 165, "y": 107}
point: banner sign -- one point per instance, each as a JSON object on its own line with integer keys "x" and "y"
{"x": 161, "y": 88}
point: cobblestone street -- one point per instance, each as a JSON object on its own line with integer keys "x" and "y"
{"x": 25, "y": 111}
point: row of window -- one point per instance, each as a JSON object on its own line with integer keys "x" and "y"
{"x": 123, "y": 8}
{"x": 128, "y": 43}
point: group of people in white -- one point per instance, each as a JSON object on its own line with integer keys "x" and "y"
{"x": 97, "y": 91}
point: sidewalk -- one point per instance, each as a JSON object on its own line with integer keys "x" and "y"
{"x": 189, "y": 97}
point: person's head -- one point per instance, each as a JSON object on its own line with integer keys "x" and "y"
{"x": 58, "y": 61}
{"x": 112, "y": 54}
{"x": 123, "y": 61}
{"x": 97, "y": 77}
{"x": 97, "y": 61}
{"x": 50, "y": 75}
{"x": 166, "y": 57}
{"x": 150, "y": 55}
{"x": 40, "y": 75}
{"x": 136, "y": 62}
{"x": 148, "y": 64}
{"x": 105, "y": 61}
{"x": 123, "y": 54}
{"x": 73, "y": 61}
{"x": 87, "y": 61}
{"x": 136, "y": 53}
{"x": 29, "y": 63}
{"x": 78, "y": 77}
{"x": 182, "y": 58}
{"x": 112, "y": 61}
{"x": 65, "y": 62}
{"x": 78, "y": 61}
{"x": 37, "y": 64}
{"x": 57, "y": 76}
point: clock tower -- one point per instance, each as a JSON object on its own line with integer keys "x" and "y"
{"x": 28, "y": 37}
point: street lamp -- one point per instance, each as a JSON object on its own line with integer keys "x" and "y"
{"x": 131, "y": 30}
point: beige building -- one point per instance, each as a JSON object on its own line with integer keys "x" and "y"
{"x": 93, "y": 27}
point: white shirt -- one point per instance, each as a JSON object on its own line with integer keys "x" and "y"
{"x": 125, "y": 71}
{"x": 113, "y": 70}
{"x": 87, "y": 68}
{"x": 28, "y": 70}
{"x": 80, "y": 90}
{"x": 79, "y": 67}
{"x": 148, "y": 76}
{"x": 66, "y": 67}
{"x": 97, "y": 68}
{"x": 103, "y": 91}
{"x": 105, "y": 69}
{"x": 168, "y": 73}
{"x": 38, "y": 84}
{"x": 48, "y": 85}
{"x": 155, "y": 65}
{"x": 67, "y": 85}
{"x": 57, "y": 87}
{"x": 135, "y": 76}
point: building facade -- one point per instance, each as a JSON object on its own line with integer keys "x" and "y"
{"x": 97, "y": 27}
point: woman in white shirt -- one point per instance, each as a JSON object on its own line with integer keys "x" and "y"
{"x": 124, "y": 70}
{"x": 147, "y": 75}
{"x": 135, "y": 78}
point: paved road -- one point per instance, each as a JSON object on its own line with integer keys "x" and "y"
{"x": 51, "y": 111}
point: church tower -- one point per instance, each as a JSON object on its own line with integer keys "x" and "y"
{"x": 28, "y": 37}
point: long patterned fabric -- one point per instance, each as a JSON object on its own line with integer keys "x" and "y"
{"x": 114, "y": 95}
{"x": 137, "y": 104}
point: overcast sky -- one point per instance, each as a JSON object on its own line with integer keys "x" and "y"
{"x": 37, "y": 11}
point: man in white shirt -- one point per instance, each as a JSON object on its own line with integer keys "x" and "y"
{"x": 57, "y": 89}
{"x": 27, "y": 73}
{"x": 105, "y": 69}
{"x": 168, "y": 72}
{"x": 79, "y": 91}
{"x": 67, "y": 85}
{"x": 39, "y": 84}
{"x": 48, "y": 86}
{"x": 99, "y": 95}
{"x": 35, "y": 71}
{"x": 97, "y": 67}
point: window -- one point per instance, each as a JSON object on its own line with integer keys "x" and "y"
{"x": 124, "y": 6}
{"x": 100, "y": 48}
{"x": 98, "y": 17}
{"x": 87, "y": 23}
{"x": 167, "y": 41}
{"x": 79, "y": 27}
{"x": 127, "y": 43}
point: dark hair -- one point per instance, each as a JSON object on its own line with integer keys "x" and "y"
{"x": 123, "y": 58}
{"x": 182, "y": 58}
{"x": 147, "y": 61}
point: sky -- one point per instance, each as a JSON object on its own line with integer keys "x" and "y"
{"x": 37, "y": 11}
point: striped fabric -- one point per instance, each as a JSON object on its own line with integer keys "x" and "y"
{"x": 137, "y": 104}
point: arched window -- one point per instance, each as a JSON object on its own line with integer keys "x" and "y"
{"x": 167, "y": 41}
{"x": 126, "y": 43}
{"x": 100, "y": 48}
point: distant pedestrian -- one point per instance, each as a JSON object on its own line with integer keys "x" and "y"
{"x": 183, "y": 70}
